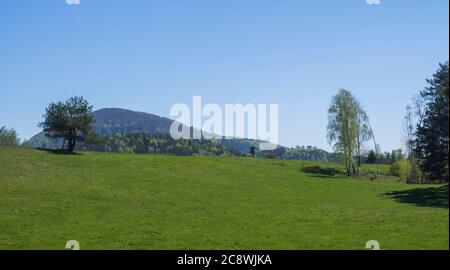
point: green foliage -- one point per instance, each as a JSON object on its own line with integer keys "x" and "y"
{"x": 113, "y": 122}
{"x": 415, "y": 174}
{"x": 397, "y": 155}
{"x": 432, "y": 143}
{"x": 401, "y": 169}
{"x": 371, "y": 157}
{"x": 348, "y": 128}
{"x": 241, "y": 146}
{"x": 71, "y": 120}
{"x": 120, "y": 121}
{"x": 8, "y": 137}
{"x": 160, "y": 202}
{"x": 157, "y": 144}
{"x": 384, "y": 158}
{"x": 308, "y": 153}
{"x": 116, "y": 124}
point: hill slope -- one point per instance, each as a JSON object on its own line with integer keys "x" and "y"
{"x": 122, "y": 122}
{"x": 113, "y": 121}
{"x": 117, "y": 201}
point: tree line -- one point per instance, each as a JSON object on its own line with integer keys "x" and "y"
{"x": 349, "y": 131}
{"x": 425, "y": 128}
{"x": 141, "y": 143}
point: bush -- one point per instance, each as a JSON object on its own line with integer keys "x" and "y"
{"x": 8, "y": 137}
{"x": 401, "y": 169}
{"x": 415, "y": 174}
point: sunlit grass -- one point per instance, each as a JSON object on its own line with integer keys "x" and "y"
{"x": 115, "y": 201}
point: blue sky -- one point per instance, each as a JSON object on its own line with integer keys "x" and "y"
{"x": 147, "y": 55}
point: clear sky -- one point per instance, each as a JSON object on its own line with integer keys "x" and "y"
{"x": 147, "y": 55}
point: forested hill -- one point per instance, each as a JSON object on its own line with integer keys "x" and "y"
{"x": 120, "y": 127}
{"x": 122, "y": 121}
{"x": 113, "y": 121}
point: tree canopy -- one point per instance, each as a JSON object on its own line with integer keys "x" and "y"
{"x": 348, "y": 128}
{"x": 432, "y": 142}
{"x": 71, "y": 120}
{"x": 8, "y": 137}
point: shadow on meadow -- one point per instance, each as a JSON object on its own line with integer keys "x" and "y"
{"x": 320, "y": 172}
{"x": 59, "y": 152}
{"x": 427, "y": 197}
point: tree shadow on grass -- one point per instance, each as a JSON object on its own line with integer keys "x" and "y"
{"x": 319, "y": 172}
{"x": 427, "y": 197}
{"x": 59, "y": 152}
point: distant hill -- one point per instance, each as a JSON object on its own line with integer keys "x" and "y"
{"x": 119, "y": 125}
{"x": 112, "y": 121}
{"x": 121, "y": 122}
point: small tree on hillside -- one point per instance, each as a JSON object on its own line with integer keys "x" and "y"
{"x": 348, "y": 129}
{"x": 71, "y": 120}
{"x": 8, "y": 137}
{"x": 343, "y": 127}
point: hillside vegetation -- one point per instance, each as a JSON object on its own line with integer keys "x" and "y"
{"x": 120, "y": 201}
{"x": 126, "y": 131}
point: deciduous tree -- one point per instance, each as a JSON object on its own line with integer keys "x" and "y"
{"x": 71, "y": 120}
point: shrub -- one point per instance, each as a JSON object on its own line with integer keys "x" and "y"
{"x": 8, "y": 137}
{"x": 401, "y": 169}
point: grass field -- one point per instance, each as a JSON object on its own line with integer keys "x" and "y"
{"x": 115, "y": 201}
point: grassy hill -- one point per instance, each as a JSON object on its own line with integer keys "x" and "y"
{"x": 114, "y": 124}
{"x": 115, "y": 121}
{"x": 117, "y": 201}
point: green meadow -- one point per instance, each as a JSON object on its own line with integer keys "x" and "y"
{"x": 157, "y": 202}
